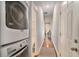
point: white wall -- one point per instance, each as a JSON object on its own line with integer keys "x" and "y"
{"x": 55, "y": 27}
{"x": 30, "y": 30}
{"x": 0, "y": 28}
{"x": 40, "y": 29}
{"x": 48, "y": 19}
{"x": 34, "y": 33}
{"x": 33, "y": 26}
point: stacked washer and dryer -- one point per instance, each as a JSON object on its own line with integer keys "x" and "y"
{"x": 14, "y": 28}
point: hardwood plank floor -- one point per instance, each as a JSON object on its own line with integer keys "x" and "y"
{"x": 47, "y": 49}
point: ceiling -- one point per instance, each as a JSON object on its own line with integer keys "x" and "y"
{"x": 47, "y": 6}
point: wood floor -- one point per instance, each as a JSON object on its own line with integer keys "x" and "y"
{"x": 47, "y": 49}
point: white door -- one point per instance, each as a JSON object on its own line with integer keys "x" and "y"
{"x": 75, "y": 30}
{"x": 69, "y": 28}
{"x": 64, "y": 30}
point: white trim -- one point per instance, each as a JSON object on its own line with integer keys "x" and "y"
{"x": 41, "y": 45}
{"x": 57, "y": 52}
{"x": 37, "y": 52}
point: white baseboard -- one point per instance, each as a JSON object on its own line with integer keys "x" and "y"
{"x": 37, "y": 52}
{"x": 58, "y": 54}
{"x": 41, "y": 45}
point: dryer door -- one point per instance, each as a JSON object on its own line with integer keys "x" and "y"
{"x": 16, "y": 15}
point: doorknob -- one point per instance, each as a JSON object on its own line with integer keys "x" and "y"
{"x": 75, "y": 41}
{"x": 74, "y": 49}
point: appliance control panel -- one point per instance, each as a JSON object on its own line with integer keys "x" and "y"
{"x": 13, "y": 48}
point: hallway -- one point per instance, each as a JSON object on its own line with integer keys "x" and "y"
{"x": 47, "y": 49}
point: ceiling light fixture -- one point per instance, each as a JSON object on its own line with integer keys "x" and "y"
{"x": 65, "y": 2}
{"x": 47, "y": 6}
